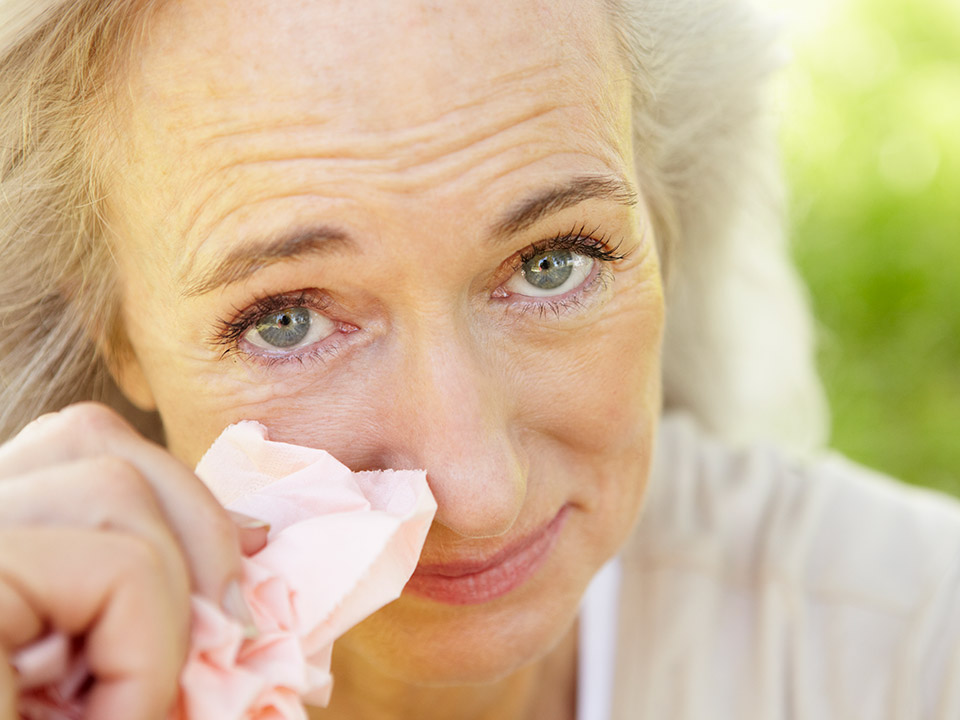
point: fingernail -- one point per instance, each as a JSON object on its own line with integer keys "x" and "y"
{"x": 247, "y": 522}
{"x": 236, "y": 606}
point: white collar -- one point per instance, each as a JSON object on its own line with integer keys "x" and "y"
{"x": 597, "y": 647}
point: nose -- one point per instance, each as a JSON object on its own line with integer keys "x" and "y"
{"x": 452, "y": 417}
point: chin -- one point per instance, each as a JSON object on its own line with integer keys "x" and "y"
{"x": 424, "y": 643}
{"x": 428, "y": 642}
{"x": 454, "y": 660}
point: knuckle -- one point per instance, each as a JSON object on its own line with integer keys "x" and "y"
{"x": 92, "y": 418}
{"x": 76, "y": 429}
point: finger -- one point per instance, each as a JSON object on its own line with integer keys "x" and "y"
{"x": 19, "y": 624}
{"x": 8, "y": 690}
{"x": 105, "y": 493}
{"x": 59, "y": 437}
{"x": 112, "y": 698}
{"x": 252, "y": 531}
{"x": 39, "y": 420}
{"x": 253, "y": 541}
{"x": 110, "y": 588}
{"x": 208, "y": 538}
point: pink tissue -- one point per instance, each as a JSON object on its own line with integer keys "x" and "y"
{"x": 341, "y": 545}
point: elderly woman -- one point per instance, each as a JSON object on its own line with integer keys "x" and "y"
{"x": 437, "y": 235}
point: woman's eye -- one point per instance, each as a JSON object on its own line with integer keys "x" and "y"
{"x": 553, "y": 272}
{"x": 289, "y": 329}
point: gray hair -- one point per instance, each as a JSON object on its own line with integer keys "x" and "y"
{"x": 738, "y": 352}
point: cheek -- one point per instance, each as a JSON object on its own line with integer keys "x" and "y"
{"x": 598, "y": 389}
{"x": 592, "y": 416}
{"x": 340, "y": 422}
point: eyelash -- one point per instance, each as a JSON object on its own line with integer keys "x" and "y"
{"x": 580, "y": 241}
{"x": 585, "y": 243}
{"x": 229, "y": 332}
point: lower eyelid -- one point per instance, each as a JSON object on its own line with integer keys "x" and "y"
{"x": 321, "y": 350}
{"x": 319, "y": 355}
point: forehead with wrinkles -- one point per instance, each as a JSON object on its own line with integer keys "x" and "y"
{"x": 399, "y": 95}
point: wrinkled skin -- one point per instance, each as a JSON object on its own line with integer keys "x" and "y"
{"x": 407, "y": 130}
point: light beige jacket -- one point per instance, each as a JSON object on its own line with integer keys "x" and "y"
{"x": 756, "y": 588}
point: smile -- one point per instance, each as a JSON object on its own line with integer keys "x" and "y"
{"x": 472, "y": 583}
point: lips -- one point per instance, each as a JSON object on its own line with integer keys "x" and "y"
{"x": 475, "y": 582}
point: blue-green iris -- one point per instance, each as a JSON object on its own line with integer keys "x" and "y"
{"x": 285, "y": 328}
{"x": 549, "y": 270}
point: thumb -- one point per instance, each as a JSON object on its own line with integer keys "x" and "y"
{"x": 252, "y": 532}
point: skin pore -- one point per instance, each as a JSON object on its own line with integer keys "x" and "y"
{"x": 389, "y": 178}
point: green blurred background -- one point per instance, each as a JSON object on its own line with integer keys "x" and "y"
{"x": 871, "y": 138}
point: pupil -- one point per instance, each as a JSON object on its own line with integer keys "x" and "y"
{"x": 549, "y": 270}
{"x": 285, "y": 328}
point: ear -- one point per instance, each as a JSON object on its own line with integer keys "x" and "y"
{"x": 127, "y": 373}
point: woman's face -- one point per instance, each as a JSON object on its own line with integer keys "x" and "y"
{"x": 391, "y": 229}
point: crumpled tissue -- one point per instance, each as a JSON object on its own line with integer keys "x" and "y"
{"x": 341, "y": 545}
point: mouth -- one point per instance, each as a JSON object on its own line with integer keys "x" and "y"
{"x": 475, "y": 582}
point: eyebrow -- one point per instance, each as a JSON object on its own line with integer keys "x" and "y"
{"x": 530, "y": 211}
{"x": 244, "y": 261}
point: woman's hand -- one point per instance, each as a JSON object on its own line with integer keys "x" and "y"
{"x": 104, "y": 535}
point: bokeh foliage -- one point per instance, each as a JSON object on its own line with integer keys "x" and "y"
{"x": 871, "y": 140}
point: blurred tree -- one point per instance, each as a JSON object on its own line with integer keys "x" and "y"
{"x": 871, "y": 138}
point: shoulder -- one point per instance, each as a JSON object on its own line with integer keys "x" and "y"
{"x": 828, "y": 578}
{"x": 827, "y": 524}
